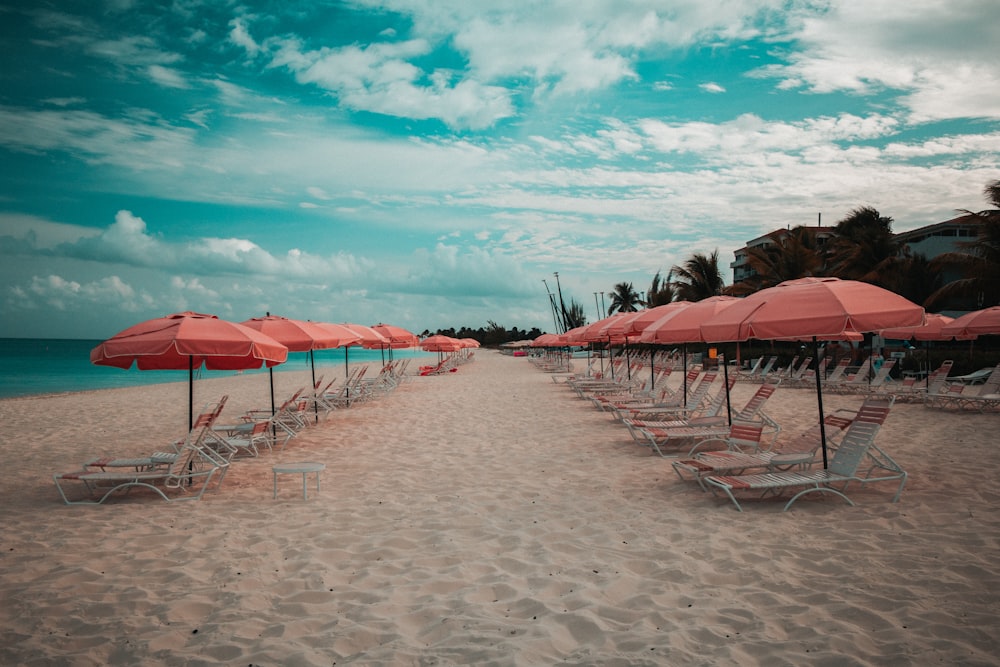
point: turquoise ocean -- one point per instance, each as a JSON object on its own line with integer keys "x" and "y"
{"x": 54, "y": 366}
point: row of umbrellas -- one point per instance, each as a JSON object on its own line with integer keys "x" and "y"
{"x": 806, "y": 309}
{"x": 190, "y": 340}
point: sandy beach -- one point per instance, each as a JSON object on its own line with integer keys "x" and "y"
{"x": 489, "y": 517}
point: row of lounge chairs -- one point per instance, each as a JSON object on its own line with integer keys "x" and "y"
{"x": 743, "y": 458}
{"x": 186, "y": 469}
{"x": 966, "y": 392}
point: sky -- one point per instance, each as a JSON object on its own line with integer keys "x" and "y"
{"x": 434, "y": 163}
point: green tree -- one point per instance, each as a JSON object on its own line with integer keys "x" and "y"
{"x": 913, "y": 276}
{"x": 624, "y": 299}
{"x": 978, "y": 262}
{"x": 699, "y": 277}
{"x": 864, "y": 246}
{"x": 661, "y": 291}
{"x": 575, "y": 316}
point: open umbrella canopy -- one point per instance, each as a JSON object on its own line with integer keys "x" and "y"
{"x": 368, "y": 338}
{"x": 441, "y": 343}
{"x": 807, "y": 308}
{"x": 575, "y": 336}
{"x": 683, "y": 325}
{"x": 189, "y": 340}
{"x": 301, "y": 335}
{"x": 598, "y": 332}
{"x": 977, "y": 323}
{"x": 813, "y": 309}
{"x": 469, "y": 342}
{"x": 930, "y": 330}
{"x": 183, "y": 340}
{"x": 641, "y": 320}
{"x": 550, "y": 340}
{"x": 398, "y": 336}
{"x": 344, "y": 335}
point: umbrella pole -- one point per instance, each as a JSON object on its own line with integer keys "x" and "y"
{"x": 652, "y": 368}
{"x": 190, "y": 408}
{"x": 927, "y": 361}
{"x": 685, "y": 374}
{"x": 190, "y": 392}
{"x": 819, "y": 400}
{"x": 270, "y": 375}
{"x": 725, "y": 377}
{"x": 312, "y": 364}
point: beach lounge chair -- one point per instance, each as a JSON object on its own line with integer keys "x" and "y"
{"x": 838, "y": 371}
{"x": 705, "y": 413}
{"x": 786, "y": 372}
{"x": 642, "y": 394}
{"x": 186, "y": 478}
{"x": 856, "y": 383}
{"x": 855, "y": 450}
{"x": 764, "y": 374}
{"x": 659, "y": 435}
{"x": 676, "y": 408}
{"x": 799, "y": 451}
{"x": 284, "y": 423}
{"x": 988, "y": 398}
{"x": 951, "y": 396}
{"x": 244, "y": 441}
{"x": 753, "y": 371}
{"x": 163, "y": 458}
{"x": 975, "y": 377}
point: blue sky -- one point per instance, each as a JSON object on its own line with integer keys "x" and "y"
{"x": 429, "y": 163}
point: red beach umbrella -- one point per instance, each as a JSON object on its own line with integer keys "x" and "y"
{"x": 810, "y": 308}
{"x": 641, "y": 320}
{"x": 368, "y": 337}
{"x": 683, "y": 325}
{"x": 816, "y": 309}
{"x": 977, "y": 323}
{"x": 680, "y": 326}
{"x": 930, "y": 330}
{"x": 189, "y": 340}
{"x": 398, "y": 336}
{"x": 440, "y": 343}
{"x": 300, "y": 336}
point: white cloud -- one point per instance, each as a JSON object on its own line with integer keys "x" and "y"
{"x": 379, "y": 78}
{"x": 711, "y": 87}
{"x": 167, "y": 77}
{"x": 240, "y": 36}
{"x": 932, "y": 52}
{"x": 57, "y": 292}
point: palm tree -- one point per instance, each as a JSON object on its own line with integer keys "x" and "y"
{"x": 660, "y": 292}
{"x": 794, "y": 255}
{"x": 699, "y": 277}
{"x": 624, "y": 299}
{"x": 864, "y": 246}
{"x": 913, "y": 276}
{"x": 978, "y": 262}
{"x": 574, "y": 315}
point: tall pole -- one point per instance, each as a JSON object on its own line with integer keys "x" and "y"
{"x": 597, "y": 305}
{"x": 603, "y": 310}
{"x": 552, "y": 305}
{"x": 562, "y": 304}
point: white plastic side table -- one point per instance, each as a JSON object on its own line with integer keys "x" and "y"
{"x": 298, "y": 469}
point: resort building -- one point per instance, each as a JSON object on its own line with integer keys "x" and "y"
{"x": 929, "y": 241}
{"x": 740, "y": 265}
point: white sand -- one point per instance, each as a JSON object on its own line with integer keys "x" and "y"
{"x": 488, "y": 517}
